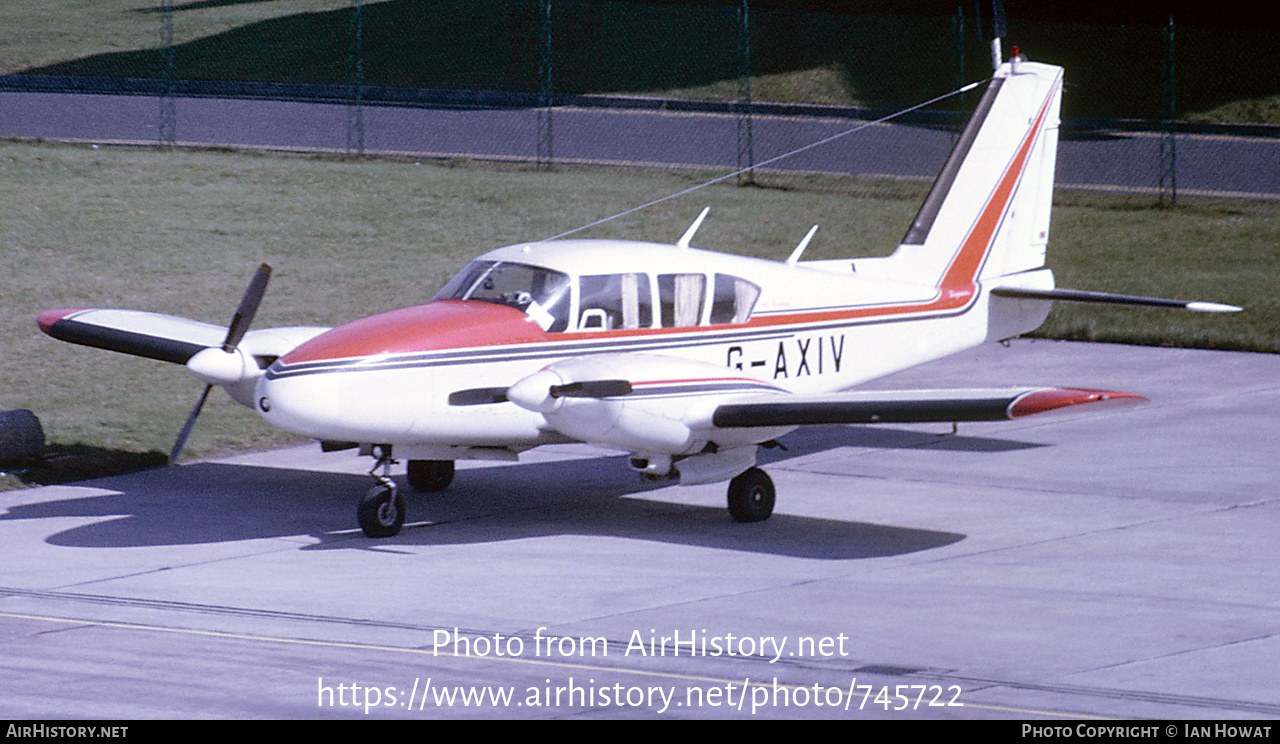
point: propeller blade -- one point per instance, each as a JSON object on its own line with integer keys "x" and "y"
{"x": 176, "y": 452}
{"x": 248, "y": 308}
{"x": 591, "y": 389}
{"x": 235, "y": 334}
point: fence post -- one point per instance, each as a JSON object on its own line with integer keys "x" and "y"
{"x": 168, "y": 107}
{"x": 746, "y": 144}
{"x": 1168, "y": 143}
{"x": 355, "y": 109}
{"x": 546, "y": 134}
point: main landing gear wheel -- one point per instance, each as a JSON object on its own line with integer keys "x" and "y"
{"x": 381, "y": 511}
{"x": 429, "y": 476}
{"x": 751, "y": 496}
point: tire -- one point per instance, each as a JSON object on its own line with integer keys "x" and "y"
{"x": 429, "y": 476}
{"x": 751, "y": 496}
{"x": 381, "y": 512}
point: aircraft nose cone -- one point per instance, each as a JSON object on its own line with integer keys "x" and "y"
{"x": 296, "y": 405}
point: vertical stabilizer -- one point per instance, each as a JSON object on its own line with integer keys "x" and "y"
{"x": 988, "y": 212}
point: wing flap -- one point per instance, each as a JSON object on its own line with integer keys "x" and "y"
{"x": 912, "y": 406}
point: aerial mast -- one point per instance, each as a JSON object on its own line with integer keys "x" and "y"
{"x": 998, "y": 32}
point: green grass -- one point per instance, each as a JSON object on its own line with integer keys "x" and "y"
{"x": 685, "y": 51}
{"x": 181, "y": 232}
{"x": 1217, "y": 250}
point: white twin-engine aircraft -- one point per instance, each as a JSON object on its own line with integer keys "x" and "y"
{"x": 688, "y": 359}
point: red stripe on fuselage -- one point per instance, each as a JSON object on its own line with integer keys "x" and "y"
{"x": 443, "y": 324}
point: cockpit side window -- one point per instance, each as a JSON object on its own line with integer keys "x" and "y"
{"x": 609, "y": 301}
{"x": 733, "y": 299}
{"x": 541, "y": 293}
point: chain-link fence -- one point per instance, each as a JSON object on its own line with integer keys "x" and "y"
{"x": 710, "y": 85}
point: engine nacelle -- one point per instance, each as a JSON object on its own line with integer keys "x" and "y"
{"x": 666, "y": 409}
{"x": 623, "y": 424}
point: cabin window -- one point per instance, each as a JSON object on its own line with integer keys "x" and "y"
{"x": 733, "y": 299}
{"x": 540, "y": 293}
{"x": 681, "y": 297}
{"x": 609, "y": 301}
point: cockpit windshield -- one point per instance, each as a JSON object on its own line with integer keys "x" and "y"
{"x": 540, "y": 293}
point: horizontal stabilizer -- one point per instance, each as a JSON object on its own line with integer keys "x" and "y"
{"x": 912, "y": 406}
{"x": 1076, "y": 295}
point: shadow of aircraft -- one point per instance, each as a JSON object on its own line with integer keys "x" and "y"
{"x": 219, "y": 502}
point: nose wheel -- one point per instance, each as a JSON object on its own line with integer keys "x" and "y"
{"x": 381, "y": 511}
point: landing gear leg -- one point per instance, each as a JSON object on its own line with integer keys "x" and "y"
{"x": 751, "y": 496}
{"x": 381, "y": 511}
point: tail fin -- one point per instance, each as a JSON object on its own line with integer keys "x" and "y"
{"x": 988, "y": 212}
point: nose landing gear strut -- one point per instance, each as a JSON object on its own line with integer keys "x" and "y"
{"x": 381, "y": 511}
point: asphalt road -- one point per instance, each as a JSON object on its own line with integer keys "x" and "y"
{"x": 1056, "y": 569}
{"x": 1110, "y": 160}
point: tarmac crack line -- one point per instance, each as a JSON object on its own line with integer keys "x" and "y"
{"x": 1175, "y": 654}
{"x": 162, "y": 569}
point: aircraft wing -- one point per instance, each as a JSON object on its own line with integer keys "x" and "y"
{"x": 168, "y": 338}
{"x": 656, "y": 404}
{"x": 911, "y": 406}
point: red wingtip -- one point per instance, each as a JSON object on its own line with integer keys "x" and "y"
{"x": 1052, "y": 399}
{"x": 49, "y": 317}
